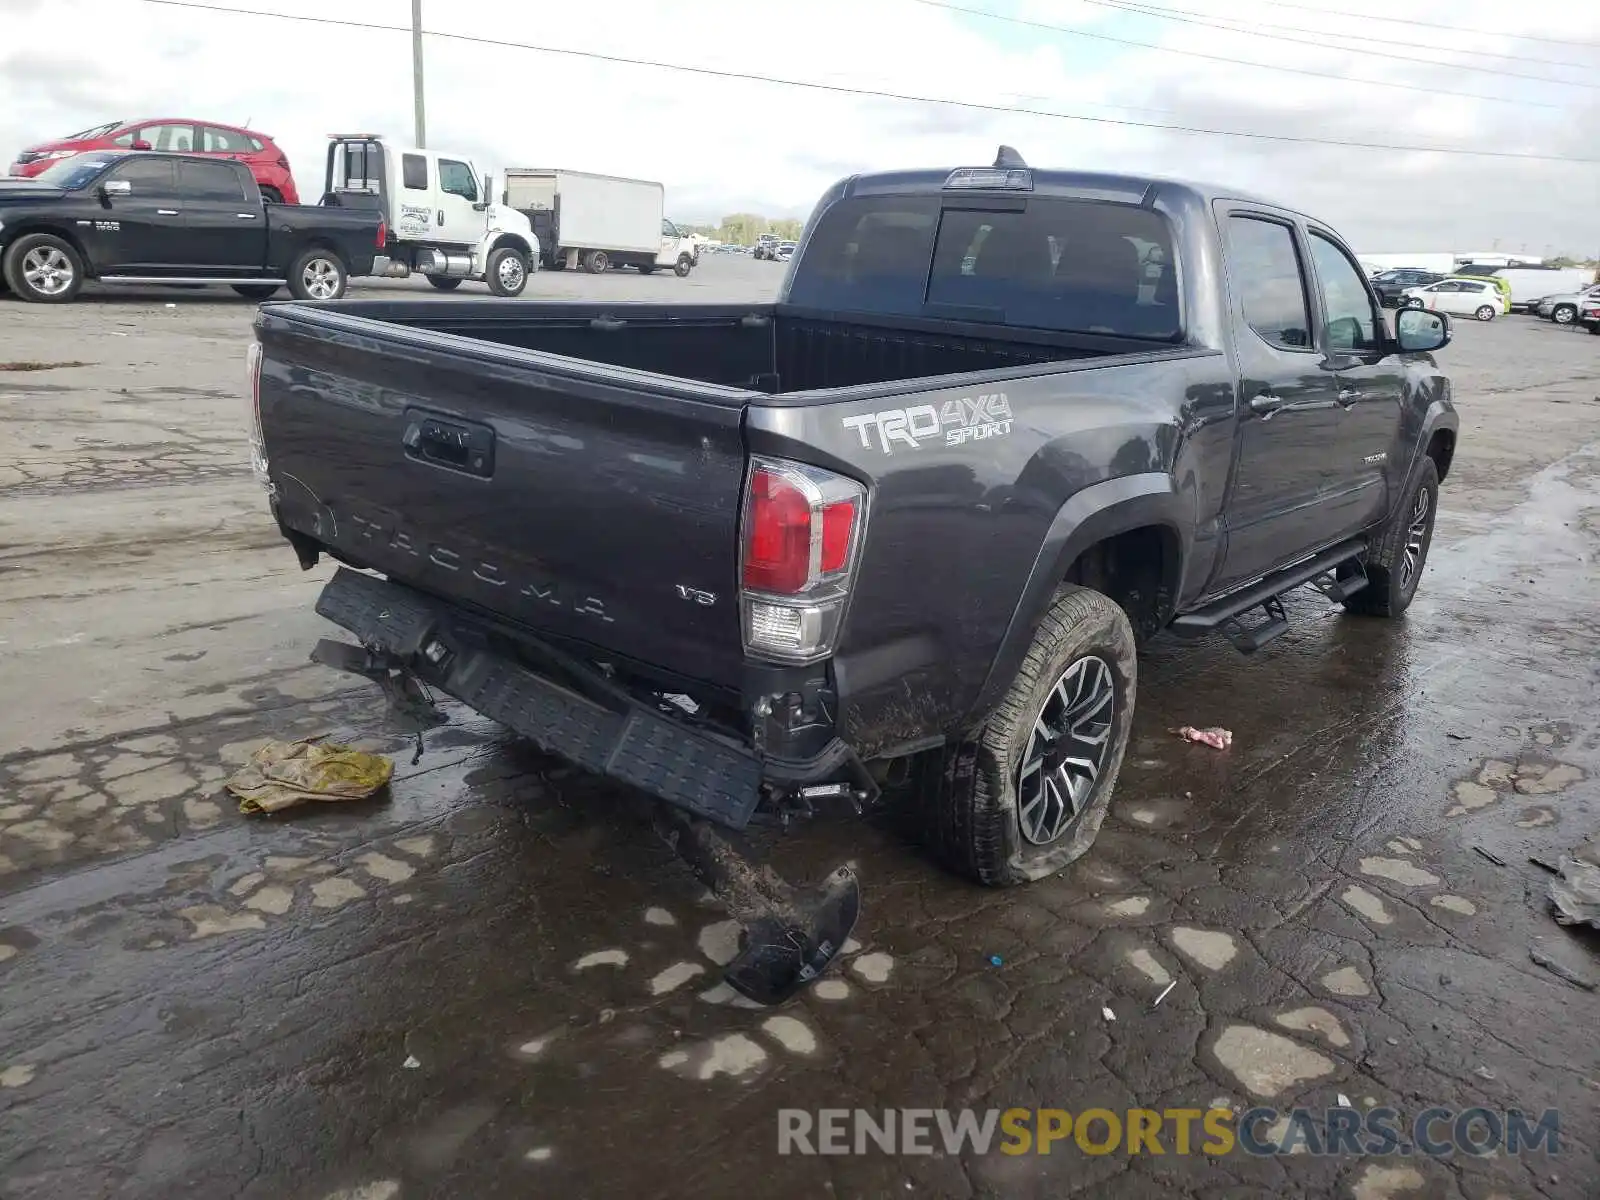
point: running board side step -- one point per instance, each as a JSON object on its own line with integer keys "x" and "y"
{"x": 1226, "y": 614}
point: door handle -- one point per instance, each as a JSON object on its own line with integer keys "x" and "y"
{"x": 441, "y": 216}
{"x": 1266, "y": 404}
{"x": 166, "y": 212}
{"x": 1349, "y": 396}
{"x": 245, "y": 216}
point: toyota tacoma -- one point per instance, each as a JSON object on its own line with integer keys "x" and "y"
{"x": 911, "y": 522}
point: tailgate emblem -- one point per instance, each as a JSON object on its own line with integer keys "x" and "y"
{"x": 685, "y": 592}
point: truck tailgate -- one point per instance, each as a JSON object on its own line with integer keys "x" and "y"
{"x": 584, "y": 501}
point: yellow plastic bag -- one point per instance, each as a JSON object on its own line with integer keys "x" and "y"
{"x": 282, "y": 774}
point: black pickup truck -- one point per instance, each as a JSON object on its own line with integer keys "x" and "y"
{"x": 139, "y": 217}
{"x": 909, "y": 522}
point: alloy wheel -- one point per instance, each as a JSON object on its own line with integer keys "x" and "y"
{"x": 1066, "y": 750}
{"x": 47, "y": 270}
{"x": 1416, "y": 535}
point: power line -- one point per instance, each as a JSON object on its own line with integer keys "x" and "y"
{"x": 881, "y": 94}
{"x": 1522, "y": 37}
{"x": 1189, "y": 17}
{"x": 1235, "y": 62}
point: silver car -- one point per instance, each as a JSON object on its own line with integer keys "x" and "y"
{"x": 1563, "y": 308}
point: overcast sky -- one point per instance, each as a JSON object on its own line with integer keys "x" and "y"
{"x": 723, "y": 145}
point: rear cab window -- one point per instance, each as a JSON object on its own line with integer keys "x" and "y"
{"x": 1048, "y": 263}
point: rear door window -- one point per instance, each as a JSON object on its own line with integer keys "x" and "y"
{"x": 1265, "y": 267}
{"x": 200, "y": 180}
{"x": 1057, "y": 264}
{"x": 414, "y": 172}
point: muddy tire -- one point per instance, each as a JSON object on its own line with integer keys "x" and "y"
{"x": 444, "y": 283}
{"x": 683, "y": 266}
{"x": 1396, "y": 562}
{"x": 596, "y": 262}
{"x": 1027, "y": 793}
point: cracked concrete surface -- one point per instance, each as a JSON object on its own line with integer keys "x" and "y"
{"x": 193, "y": 1003}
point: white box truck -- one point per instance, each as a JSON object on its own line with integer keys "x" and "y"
{"x": 597, "y": 221}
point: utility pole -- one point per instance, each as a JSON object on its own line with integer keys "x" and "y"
{"x": 416, "y": 72}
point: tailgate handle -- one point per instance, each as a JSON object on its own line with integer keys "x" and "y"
{"x": 456, "y": 445}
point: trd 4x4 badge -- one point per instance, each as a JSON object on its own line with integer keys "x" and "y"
{"x": 969, "y": 419}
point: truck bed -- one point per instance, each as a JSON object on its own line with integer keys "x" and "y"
{"x": 761, "y": 348}
{"x": 578, "y": 469}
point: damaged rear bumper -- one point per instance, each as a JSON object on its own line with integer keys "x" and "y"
{"x": 606, "y": 732}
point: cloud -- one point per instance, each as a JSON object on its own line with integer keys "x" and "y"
{"x": 723, "y": 145}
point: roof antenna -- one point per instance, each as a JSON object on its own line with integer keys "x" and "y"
{"x": 1008, "y": 158}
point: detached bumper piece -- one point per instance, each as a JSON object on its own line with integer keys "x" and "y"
{"x": 629, "y": 742}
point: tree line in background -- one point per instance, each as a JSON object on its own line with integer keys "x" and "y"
{"x": 742, "y": 229}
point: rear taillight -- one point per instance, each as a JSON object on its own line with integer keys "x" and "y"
{"x": 258, "y": 440}
{"x": 801, "y": 530}
{"x": 383, "y": 231}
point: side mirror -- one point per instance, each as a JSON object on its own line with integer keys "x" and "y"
{"x": 116, "y": 187}
{"x": 141, "y": 144}
{"x": 486, "y": 196}
{"x": 1420, "y": 330}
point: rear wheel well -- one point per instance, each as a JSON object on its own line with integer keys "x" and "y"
{"x": 1137, "y": 568}
{"x": 1442, "y": 448}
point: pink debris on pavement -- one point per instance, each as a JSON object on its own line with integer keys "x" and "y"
{"x": 1216, "y": 736}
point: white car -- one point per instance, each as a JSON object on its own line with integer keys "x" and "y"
{"x": 1462, "y": 297}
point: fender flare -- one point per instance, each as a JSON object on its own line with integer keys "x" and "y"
{"x": 1441, "y": 415}
{"x": 1099, "y": 511}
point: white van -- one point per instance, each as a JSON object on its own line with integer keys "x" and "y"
{"x": 1529, "y": 285}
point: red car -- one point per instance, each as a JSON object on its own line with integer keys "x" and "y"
{"x": 267, "y": 163}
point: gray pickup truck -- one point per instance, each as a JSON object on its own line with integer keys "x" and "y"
{"x": 911, "y": 522}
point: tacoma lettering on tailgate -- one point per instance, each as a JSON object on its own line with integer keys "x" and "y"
{"x": 487, "y": 577}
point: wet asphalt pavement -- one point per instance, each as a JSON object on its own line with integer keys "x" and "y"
{"x": 496, "y": 981}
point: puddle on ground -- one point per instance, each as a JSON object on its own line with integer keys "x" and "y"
{"x": 1204, "y": 947}
{"x": 1346, "y": 981}
{"x": 1149, "y": 966}
{"x": 1459, "y": 905}
{"x": 1368, "y": 905}
{"x": 602, "y": 958}
{"x": 1267, "y": 1063}
{"x": 1318, "y": 1021}
{"x": 1398, "y": 870}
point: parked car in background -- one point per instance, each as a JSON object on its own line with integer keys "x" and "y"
{"x": 766, "y": 246}
{"x": 1392, "y": 285}
{"x": 1478, "y": 298}
{"x": 1589, "y": 314}
{"x": 268, "y": 164}
{"x": 784, "y": 252}
{"x": 1563, "y": 307}
{"x": 149, "y": 218}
